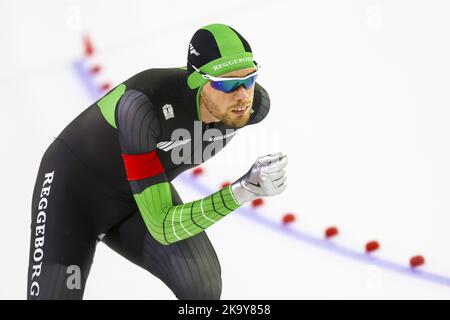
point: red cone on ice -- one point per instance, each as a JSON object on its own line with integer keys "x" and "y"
{"x": 257, "y": 202}
{"x": 197, "y": 171}
{"x": 106, "y": 86}
{"x": 416, "y": 261}
{"x": 288, "y": 218}
{"x": 95, "y": 69}
{"x": 225, "y": 184}
{"x": 372, "y": 246}
{"x": 331, "y": 232}
{"x": 88, "y": 46}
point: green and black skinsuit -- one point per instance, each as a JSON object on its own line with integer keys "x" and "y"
{"x": 106, "y": 177}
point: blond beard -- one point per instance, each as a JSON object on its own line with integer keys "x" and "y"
{"x": 228, "y": 118}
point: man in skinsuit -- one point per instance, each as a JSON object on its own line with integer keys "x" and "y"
{"x": 107, "y": 176}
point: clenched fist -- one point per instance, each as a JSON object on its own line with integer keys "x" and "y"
{"x": 267, "y": 177}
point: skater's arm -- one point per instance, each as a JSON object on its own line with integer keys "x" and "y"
{"x": 138, "y": 129}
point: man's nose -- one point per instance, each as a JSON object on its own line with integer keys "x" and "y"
{"x": 241, "y": 93}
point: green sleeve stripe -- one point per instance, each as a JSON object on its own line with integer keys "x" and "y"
{"x": 224, "y": 202}
{"x": 172, "y": 220}
{"x": 169, "y": 223}
{"x": 202, "y": 208}
{"x": 181, "y": 219}
{"x": 214, "y": 205}
{"x": 192, "y": 215}
{"x": 164, "y": 224}
{"x": 229, "y": 193}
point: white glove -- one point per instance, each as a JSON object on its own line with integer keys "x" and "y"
{"x": 267, "y": 177}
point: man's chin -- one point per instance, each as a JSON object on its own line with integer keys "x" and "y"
{"x": 236, "y": 122}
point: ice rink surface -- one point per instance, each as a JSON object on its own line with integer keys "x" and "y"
{"x": 359, "y": 103}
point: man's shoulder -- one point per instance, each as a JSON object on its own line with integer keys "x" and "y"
{"x": 158, "y": 82}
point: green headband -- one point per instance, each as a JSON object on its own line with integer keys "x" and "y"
{"x": 220, "y": 66}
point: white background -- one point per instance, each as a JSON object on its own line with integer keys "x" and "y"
{"x": 360, "y": 104}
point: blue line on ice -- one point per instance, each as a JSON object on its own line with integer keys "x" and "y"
{"x": 322, "y": 243}
{"x": 82, "y": 71}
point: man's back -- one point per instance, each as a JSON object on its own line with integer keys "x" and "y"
{"x": 93, "y": 135}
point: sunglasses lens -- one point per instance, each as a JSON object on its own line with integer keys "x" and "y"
{"x": 228, "y": 86}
